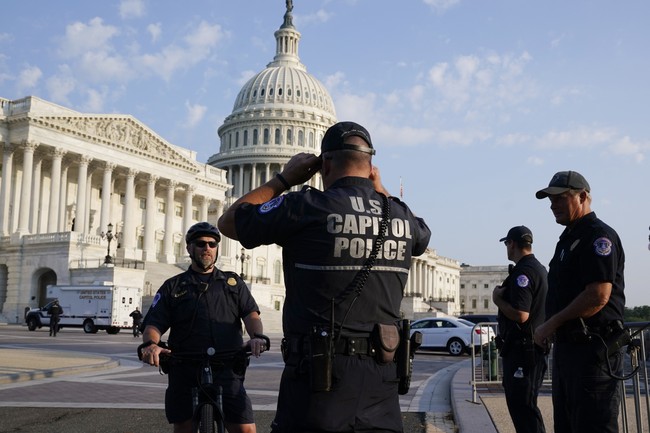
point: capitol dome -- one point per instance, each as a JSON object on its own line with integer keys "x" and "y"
{"x": 281, "y": 111}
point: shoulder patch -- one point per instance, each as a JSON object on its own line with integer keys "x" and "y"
{"x": 603, "y": 246}
{"x": 271, "y": 204}
{"x": 522, "y": 281}
{"x": 231, "y": 281}
{"x": 156, "y": 299}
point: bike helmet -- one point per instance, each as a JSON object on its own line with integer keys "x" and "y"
{"x": 202, "y": 229}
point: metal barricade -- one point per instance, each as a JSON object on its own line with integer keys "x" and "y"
{"x": 635, "y": 407}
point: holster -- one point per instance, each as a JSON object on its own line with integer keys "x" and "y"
{"x": 386, "y": 338}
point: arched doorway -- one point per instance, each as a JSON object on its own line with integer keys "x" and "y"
{"x": 46, "y": 278}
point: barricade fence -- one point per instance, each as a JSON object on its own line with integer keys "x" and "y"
{"x": 634, "y": 415}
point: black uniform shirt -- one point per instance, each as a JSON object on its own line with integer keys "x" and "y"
{"x": 326, "y": 237}
{"x": 588, "y": 251}
{"x": 202, "y": 314}
{"x": 526, "y": 290}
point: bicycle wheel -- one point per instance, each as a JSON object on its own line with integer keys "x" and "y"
{"x": 206, "y": 420}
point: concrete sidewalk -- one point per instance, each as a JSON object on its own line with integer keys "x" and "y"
{"x": 450, "y": 386}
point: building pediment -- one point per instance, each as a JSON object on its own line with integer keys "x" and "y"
{"x": 122, "y": 132}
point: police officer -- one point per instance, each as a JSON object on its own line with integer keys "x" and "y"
{"x": 327, "y": 238}
{"x": 521, "y": 300}
{"x": 55, "y": 312}
{"x": 203, "y": 307}
{"x": 136, "y": 315}
{"x": 584, "y": 310}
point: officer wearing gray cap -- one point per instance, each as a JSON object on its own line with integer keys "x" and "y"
{"x": 584, "y": 310}
{"x": 338, "y": 377}
{"x": 521, "y": 300}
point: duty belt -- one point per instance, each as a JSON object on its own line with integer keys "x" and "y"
{"x": 354, "y": 346}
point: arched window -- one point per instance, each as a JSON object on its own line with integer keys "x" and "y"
{"x": 310, "y": 140}
{"x": 277, "y": 136}
{"x": 301, "y": 138}
{"x": 289, "y": 136}
{"x": 255, "y": 136}
{"x": 245, "y": 138}
{"x": 262, "y": 92}
{"x": 298, "y": 93}
{"x": 237, "y": 139}
{"x": 271, "y": 91}
{"x": 267, "y": 137}
{"x": 280, "y": 91}
{"x": 288, "y": 92}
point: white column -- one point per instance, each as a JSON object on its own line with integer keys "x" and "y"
{"x": 241, "y": 181}
{"x": 205, "y": 204}
{"x": 82, "y": 178}
{"x": 7, "y": 186}
{"x": 149, "y": 253}
{"x": 107, "y": 182}
{"x": 26, "y": 191}
{"x": 168, "y": 240}
{"x": 35, "y": 208}
{"x": 187, "y": 212}
{"x": 128, "y": 232}
{"x": 267, "y": 172}
{"x": 89, "y": 186}
{"x": 63, "y": 201}
{"x": 55, "y": 191}
{"x": 253, "y": 177}
{"x": 229, "y": 181}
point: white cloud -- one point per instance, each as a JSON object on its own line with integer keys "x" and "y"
{"x": 198, "y": 46}
{"x": 81, "y": 38}
{"x": 155, "y": 30}
{"x": 28, "y": 78}
{"x": 95, "y": 101}
{"x": 441, "y": 5}
{"x": 333, "y": 81}
{"x": 626, "y": 147}
{"x": 512, "y": 139}
{"x": 579, "y": 137}
{"x": 132, "y": 8}
{"x": 99, "y": 66}
{"x": 195, "y": 114}
{"x": 6, "y": 37}
{"x": 61, "y": 85}
{"x": 320, "y": 16}
{"x": 535, "y": 160}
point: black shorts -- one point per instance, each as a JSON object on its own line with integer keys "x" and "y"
{"x": 237, "y": 406}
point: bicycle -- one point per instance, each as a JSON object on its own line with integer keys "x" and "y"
{"x": 207, "y": 399}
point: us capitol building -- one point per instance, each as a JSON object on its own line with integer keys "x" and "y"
{"x": 102, "y": 197}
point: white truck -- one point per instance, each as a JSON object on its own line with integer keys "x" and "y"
{"x": 91, "y": 307}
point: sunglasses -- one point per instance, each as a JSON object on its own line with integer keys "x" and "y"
{"x": 202, "y": 244}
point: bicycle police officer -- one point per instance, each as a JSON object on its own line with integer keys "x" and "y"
{"x": 584, "y": 311}
{"x": 203, "y": 307}
{"x": 521, "y": 300}
{"x": 336, "y": 377}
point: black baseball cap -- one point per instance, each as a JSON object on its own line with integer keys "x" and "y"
{"x": 563, "y": 181}
{"x": 334, "y": 138}
{"x": 519, "y": 234}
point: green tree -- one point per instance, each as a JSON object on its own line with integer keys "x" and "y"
{"x": 638, "y": 314}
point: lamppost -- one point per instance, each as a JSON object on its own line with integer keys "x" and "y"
{"x": 109, "y": 236}
{"x": 242, "y": 257}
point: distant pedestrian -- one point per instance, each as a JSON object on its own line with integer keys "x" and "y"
{"x": 521, "y": 300}
{"x": 55, "y": 312}
{"x": 584, "y": 309}
{"x": 137, "y": 320}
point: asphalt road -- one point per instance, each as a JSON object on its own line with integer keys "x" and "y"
{"x": 129, "y": 398}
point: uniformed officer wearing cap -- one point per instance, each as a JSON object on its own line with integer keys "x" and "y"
{"x": 521, "y": 300}
{"x": 203, "y": 307}
{"x": 584, "y": 308}
{"x": 326, "y": 237}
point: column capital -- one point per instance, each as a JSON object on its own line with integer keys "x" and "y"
{"x": 58, "y": 152}
{"x": 109, "y": 166}
{"x": 190, "y": 188}
{"x": 172, "y": 183}
{"x": 8, "y": 147}
{"x": 85, "y": 159}
{"x": 152, "y": 178}
{"x": 29, "y": 145}
{"x": 132, "y": 172}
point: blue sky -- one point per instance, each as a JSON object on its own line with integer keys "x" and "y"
{"x": 473, "y": 104}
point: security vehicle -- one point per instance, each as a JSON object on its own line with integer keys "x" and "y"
{"x": 451, "y": 334}
{"x": 92, "y": 307}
